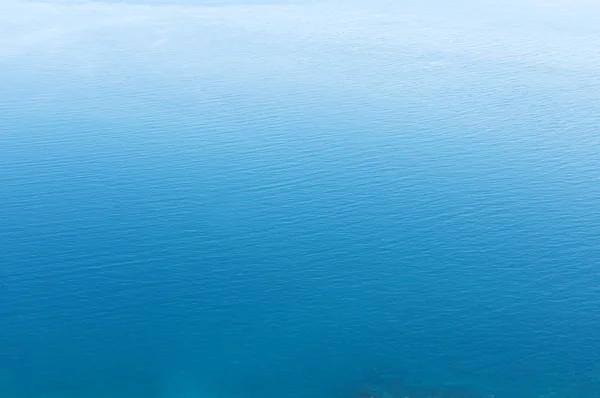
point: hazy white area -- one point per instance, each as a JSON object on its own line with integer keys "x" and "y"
{"x": 558, "y": 33}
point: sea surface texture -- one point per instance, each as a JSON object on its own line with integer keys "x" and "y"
{"x": 300, "y": 199}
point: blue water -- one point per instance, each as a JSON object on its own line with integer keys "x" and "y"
{"x": 299, "y": 199}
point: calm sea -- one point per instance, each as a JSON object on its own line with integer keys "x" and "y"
{"x": 300, "y": 199}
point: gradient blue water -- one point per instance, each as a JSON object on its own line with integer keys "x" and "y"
{"x": 265, "y": 200}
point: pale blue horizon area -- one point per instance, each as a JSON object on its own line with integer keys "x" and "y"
{"x": 288, "y": 199}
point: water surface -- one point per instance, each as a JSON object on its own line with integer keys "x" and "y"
{"x": 299, "y": 199}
